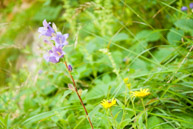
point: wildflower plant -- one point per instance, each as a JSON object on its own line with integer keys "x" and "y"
{"x": 150, "y": 45}
{"x": 141, "y": 94}
{"x": 57, "y": 40}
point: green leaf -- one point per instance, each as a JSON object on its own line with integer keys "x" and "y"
{"x": 163, "y": 54}
{"x": 188, "y": 118}
{"x": 118, "y": 57}
{"x": 140, "y": 65}
{"x": 46, "y": 115}
{"x": 48, "y": 90}
{"x": 66, "y": 93}
{"x": 185, "y": 24}
{"x": 153, "y": 122}
{"x": 148, "y": 35}
{"x": 120, "y": 37}
{"x": 125, "y": 123}
{"x": 49, "y": 13}
{"x": 174, "y": 36}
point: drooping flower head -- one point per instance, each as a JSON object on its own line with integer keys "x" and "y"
{"x": 54, "y": 55}
{"x": 191, "y": 5}
{"x": 184, "y": 8}
{"x": 108, "y": 103}
{"x": 46, "y": 30}
{"x": 142, "y": 93}
{"x": 60, "y": 40}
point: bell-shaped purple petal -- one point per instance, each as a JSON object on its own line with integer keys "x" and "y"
{"x": 45, "y": 24}
{"x": 46, "y": 30}
{"x": 54, "y": 55}
{"x": 60, "y": 40}
{"x": 57, "y": 52}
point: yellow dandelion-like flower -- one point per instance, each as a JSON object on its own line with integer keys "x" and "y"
{"x": 125, "y": 80}
{"x": 142, "y": 93}
{"x": 108, "y": 103}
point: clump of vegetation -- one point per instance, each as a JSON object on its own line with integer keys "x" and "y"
{"x": 123, "y": 64}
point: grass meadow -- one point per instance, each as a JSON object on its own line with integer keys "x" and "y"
{"x": 100, "y": 64}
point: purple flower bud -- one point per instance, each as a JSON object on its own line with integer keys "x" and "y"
{"x": 60, "y": 40}
{"x": 71, "y": 87}
{"x": 40, "y": 71}
{"x": 191, "y": 5}
{"x": 70, "y": 68}
{"x": 184, "y": 8}
{"x": 46, "y": 30}
{"x": 54, "y": 55}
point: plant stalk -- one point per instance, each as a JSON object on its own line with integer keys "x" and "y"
{"x": 74, "y": 84}
{"x": 144, "y": 112}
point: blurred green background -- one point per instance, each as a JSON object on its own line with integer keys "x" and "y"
{"x": 149, "y": 42}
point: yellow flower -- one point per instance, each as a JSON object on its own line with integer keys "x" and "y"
{"x": 125, "y": 80}
{"x": 108, "y": 103}
{"x": 128, "y": 85}
{"x": 142, "y": 93}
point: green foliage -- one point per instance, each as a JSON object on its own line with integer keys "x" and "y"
{"x": 186, "y": 25}
{"x": 150, "y": 42}
{"x": 174, "y": 36}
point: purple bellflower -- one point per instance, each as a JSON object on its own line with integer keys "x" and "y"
{"x": 191, "y": 5}
{"x": 46, "y": 30}
{"x": 60, "y": 40}
{"x": 184, "y": 8}
{"x": 54, "y": 55}
{"x": 57, "y": 43}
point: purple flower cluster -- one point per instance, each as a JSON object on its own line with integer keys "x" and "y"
{"x": 56, "y": 39}
{"x": 184, "y": 8}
